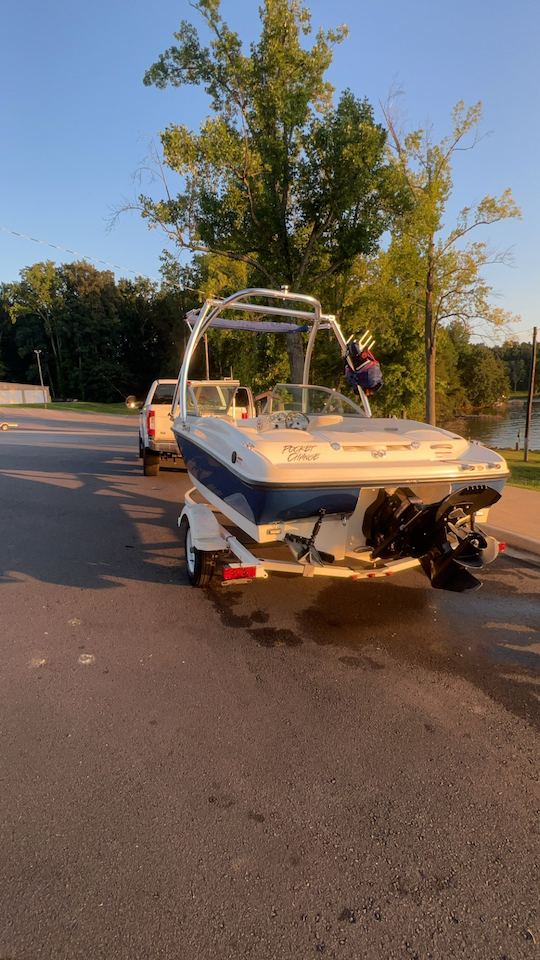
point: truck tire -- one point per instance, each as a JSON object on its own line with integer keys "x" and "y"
{"x": 199, "y": 563}
{"x": 150, "y": 463}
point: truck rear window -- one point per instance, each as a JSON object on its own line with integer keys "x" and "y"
{"x": 163, "y": 393}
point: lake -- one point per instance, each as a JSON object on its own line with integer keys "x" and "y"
{"x": 500, "y": 428}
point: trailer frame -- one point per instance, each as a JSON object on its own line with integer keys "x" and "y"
{"x": 207, "y": 536}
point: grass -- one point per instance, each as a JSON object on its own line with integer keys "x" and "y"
{"x": 523, "y": 474}
{"x": 523, "y": 394}
{"x": 117, "y": 408}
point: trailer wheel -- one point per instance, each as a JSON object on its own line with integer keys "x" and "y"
{"x": 4, "y": 426}
{"x": 199, "y": 563}
{"x": 150, "y": 463}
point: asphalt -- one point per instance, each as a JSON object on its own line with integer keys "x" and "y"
{"x": 515, "y": 519}
{"x": 283, "y": 770}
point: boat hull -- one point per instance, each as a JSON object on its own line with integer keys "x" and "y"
{"x": 268, "y": 503}
{"x": 264, "y": 503}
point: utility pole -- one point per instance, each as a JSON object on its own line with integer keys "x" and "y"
{"x": 530, "y": 397}
{"x": 37, "y": 353}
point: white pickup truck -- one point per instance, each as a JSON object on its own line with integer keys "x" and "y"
{"x": 211, "y": 398}
{"x": 156, "y": 439}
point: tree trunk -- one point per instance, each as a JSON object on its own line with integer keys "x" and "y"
{"x": 295, "y": 353}
{"x": 81, "y": 381}
{"x": 50, "y": 381}
{"x": 431, "y": 416}
{"x": 430, "y": 341}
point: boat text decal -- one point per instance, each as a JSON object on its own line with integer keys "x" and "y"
{"x": 296, "y": 452}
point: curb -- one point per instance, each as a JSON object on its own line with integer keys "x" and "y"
{"x": 523, "y": 548}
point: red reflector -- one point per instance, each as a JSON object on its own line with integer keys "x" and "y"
{"x": 502, "y": 547}
{"x": 239, "y": 573}
{"x": 244, "y": 415}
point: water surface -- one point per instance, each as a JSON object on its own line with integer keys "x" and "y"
{"x": 500, "y": 428}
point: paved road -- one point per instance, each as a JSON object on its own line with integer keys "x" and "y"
{"x": 284, "y": 770}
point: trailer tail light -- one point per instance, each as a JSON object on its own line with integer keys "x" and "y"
{"x": 244, "y": 415}
{"x": 151, "y": 423}
{"x": 239, "y": 573}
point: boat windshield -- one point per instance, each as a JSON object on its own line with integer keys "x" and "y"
{"x": 314, "y": 401}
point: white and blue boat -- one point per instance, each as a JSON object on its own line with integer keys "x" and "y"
{"x": 314, "y": 469}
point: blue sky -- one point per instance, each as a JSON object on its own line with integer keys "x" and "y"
{"x": 77, "y": 122}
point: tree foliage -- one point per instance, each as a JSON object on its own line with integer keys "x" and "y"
{"x": 517, "y": 360}
{"x": 447, "y": 264}
{"x": 278, "y": 178}
{"x": 100, "y": 339}
{"x": 103, "y": 339}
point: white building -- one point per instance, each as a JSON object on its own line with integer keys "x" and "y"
{"x": 23, "y": 393}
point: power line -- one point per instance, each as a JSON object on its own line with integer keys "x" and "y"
{"x": 75, "y": 253}
{"x": 84, "y": 256}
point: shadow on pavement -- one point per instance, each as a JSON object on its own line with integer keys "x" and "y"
{"x": 88, "y": 518}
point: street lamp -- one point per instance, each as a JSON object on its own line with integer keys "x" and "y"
{"x": 37, "y": 353}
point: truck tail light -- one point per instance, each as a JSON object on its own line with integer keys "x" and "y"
{"x": 151, "y": 423}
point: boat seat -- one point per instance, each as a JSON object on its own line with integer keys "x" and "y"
{"x": 324, "y": 420}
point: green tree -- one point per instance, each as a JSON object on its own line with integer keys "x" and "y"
{"x": 278, "y": 178}
{"x": 6, "y": 325}
{"x": 517, "y": 359}
{"x": 37, "y": 299}
{"x": 383, "y": 295}
{"x": 100, "y": 339}
{"x": 91, "y": 331}
{"x": 449, "y": 265}
{"x": 484, "y": 376}
{"x": 153, "y": 332}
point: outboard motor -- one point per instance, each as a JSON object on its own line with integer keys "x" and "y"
{"x": 399, "y": 525}
{"x": 362, "y": 369}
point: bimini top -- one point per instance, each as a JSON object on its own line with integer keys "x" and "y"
{"x": 279, "y": 308}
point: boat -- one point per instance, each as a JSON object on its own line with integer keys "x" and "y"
{"x": 345, "y": 491}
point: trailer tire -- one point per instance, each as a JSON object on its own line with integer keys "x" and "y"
{"x": 150, "y": 463}
{"x": 199, "y": 563}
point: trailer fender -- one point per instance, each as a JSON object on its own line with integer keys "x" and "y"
{"x": 205, "y": 530}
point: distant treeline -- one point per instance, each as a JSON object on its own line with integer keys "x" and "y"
{"x": 102, "y": 339}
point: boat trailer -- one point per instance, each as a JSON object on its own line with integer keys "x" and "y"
{"x": 205, "y": 539}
